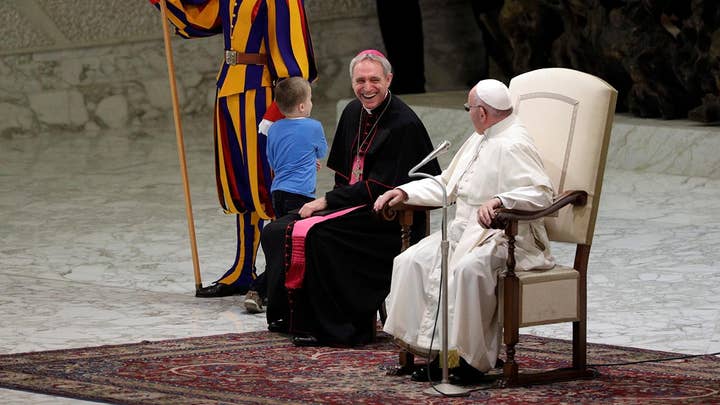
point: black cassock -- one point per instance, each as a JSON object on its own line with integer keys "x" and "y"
{"x": 349, "y": 258}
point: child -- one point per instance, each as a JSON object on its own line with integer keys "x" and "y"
{"x": 294, "y": 146}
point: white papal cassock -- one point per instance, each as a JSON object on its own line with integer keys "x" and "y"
{"x": 503, "y": 162}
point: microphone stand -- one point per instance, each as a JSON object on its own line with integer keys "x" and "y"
{"x": 444, "y": 388}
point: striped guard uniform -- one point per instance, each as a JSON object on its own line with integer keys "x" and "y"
{"x": 276, "y": 33}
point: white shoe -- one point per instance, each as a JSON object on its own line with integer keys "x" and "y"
{"x": 253, "y": 302}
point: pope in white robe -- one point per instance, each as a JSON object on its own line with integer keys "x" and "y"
{"x": 497, "y": 166}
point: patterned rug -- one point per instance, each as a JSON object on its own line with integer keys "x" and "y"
{"x": 266, "y": 368}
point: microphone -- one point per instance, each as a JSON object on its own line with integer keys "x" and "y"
{"x": 442, "y": 148}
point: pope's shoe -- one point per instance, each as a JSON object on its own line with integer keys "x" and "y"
{"x": 428, "y": 372}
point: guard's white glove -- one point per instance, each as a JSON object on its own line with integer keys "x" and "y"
{"x": 271, "y": 115}
{"x": 264, "y": 126}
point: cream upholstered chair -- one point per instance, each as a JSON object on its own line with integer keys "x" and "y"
{"x": 569, "y": 115}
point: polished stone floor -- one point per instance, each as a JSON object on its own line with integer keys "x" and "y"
{"x": 94, "y": 248}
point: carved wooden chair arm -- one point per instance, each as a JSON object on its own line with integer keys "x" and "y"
{"x": 505, "y": 215}
{"x": 389, "y": 213}
{"x": 404, "y": 213}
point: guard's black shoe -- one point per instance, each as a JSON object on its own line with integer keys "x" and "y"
{"x": 220, "y": 290}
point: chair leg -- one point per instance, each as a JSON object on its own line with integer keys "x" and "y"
{"x": 382, "y": 312}
{"x": 579, "y": 345}
{"x": 511, "y": 321}
{"x": 407, "y": 359}
{"x": 510, "y": 369}
{"x": 406, "y": 364}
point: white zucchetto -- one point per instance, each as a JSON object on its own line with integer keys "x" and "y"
{"x": 494, "y": 93}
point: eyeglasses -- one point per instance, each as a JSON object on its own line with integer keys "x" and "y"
{"x": 468, "y": 106}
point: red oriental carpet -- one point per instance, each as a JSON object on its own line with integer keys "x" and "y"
{"x": 266, "y": 368}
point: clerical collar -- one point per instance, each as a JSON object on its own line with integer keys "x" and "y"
{"x": 502, "y": 125}
{"x": 380, "y": 106}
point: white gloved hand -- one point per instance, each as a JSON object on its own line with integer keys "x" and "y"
{"x": 264, "y": 126}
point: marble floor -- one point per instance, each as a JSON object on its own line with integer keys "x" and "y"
{"x": 94, "y": 249}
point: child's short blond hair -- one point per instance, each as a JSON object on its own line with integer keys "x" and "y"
{"x": 290, "y": 92}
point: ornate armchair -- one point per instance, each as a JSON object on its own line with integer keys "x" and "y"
{"x": 570, "y": 115}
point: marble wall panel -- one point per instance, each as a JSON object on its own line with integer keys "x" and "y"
{"x": 124, "y": 85}
{"x": 688, "y": 150}
{"x": 17, "y": 32}
{"x": 136, "y": 70}
{"x": 92, "y": 22}
{"x": 339, "y": 9}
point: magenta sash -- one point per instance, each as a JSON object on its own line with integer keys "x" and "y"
{"x": 296, "y": 271}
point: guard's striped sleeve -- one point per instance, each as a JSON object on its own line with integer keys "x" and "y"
{"x": 194, "y": 18}
{"x": 290, "y": 45}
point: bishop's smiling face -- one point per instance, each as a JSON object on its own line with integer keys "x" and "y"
{"x": 370, "y": 83}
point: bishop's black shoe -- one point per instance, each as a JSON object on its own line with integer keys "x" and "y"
{"x": 220, "y": 290}
{"x": 278, "y": 326}
{"x": 305, "y": 341}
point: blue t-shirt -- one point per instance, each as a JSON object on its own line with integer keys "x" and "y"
{"x": 293, "y": 145}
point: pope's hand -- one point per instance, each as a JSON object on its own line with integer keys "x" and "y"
{"x": 486, "y": 212}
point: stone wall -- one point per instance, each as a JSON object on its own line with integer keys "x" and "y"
{"x": 102, "y": 87}
{"x": 109, "y": 70}
{"x": 88, "y": 65}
